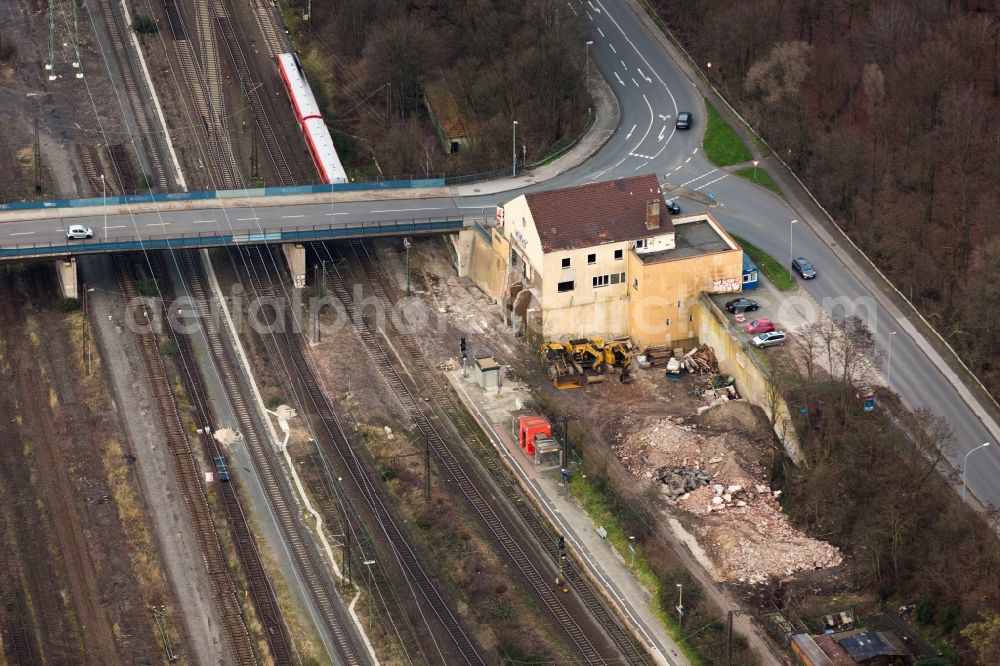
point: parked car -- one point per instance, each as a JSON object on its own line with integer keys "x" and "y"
{"x": 672, "y": 207}
{"x": 760, "y": 326}
{"x": 769, "y": 339}
{"x": 684, "y": 120}
{"x": 742, "y": 305}
{"x": 78, "y": 231}
{"x": 804, "y": 269}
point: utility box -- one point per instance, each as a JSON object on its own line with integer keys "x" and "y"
{"x": 486, "y": 372}
{"x": 534, "y": 438}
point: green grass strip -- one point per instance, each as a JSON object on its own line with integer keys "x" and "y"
{"x": 601, "y": 510}
{"x": 723, "y": 145}
{"x": 761, "y": 178}
{"x": 778, "y": 275}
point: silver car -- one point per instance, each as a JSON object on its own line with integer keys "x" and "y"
{"x": 769, "y": 339}
{"x": 78, "y": 232}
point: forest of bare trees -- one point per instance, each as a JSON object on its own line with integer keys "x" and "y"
{"x": 890, "y": 111}
{"x": 498, "y": 61}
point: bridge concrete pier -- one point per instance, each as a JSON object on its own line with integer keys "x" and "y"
{"x": 66, "y": 271}
{"x": 461, "y": 250}
{"x": 295, "y": 255}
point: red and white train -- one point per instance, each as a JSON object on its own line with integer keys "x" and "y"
{"x": 317, "y": 136}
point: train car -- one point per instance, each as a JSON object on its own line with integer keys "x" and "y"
{"x": 317, "y": 136}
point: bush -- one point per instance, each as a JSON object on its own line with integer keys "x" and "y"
{"x": 274, "y": 402}
{"x": 143, "y": 25}
{"x": 68, "y": 305}
{"x": 169, "y": 348}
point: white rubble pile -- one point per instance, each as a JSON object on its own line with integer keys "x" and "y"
{"x": 744, "y": 528}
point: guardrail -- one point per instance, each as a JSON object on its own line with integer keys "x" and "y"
{"x": 215, "y": 239}
{"x": 226, "y": 194}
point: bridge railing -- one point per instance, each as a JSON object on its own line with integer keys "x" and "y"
{"x": 297, "y": 234}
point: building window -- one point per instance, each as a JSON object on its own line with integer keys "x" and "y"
{"x": 690, "y": 317}
{"x": 616, "y": 278}
{"x": 565, "y": 262}
{"x": 566, "y": 286}
{"x": 601, "y": 281}
{"x": 619, "y": 254}
{"x": 668, "y": 321}
{"x": 591, "y": 258}
{"x": 635, "y": 283}
{"x": 642, "y": 244}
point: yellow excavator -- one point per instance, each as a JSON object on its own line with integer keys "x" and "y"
{"x": 617, "y": 356}
{"x": 563, "y": 368}
{"x": 586, "y": 354}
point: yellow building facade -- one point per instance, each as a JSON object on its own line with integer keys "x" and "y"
{"x": 607, "y": 260}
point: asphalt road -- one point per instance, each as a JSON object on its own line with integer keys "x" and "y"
{"x": 651, "y": 90}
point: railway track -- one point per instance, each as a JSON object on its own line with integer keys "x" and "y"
{"x": 16, "y": 642}
{"x": 261, "y": 591}
{"x": 471, "y": 434}
{"x": 266, "y": 21}
{"x": 123, "y": 167}
{"x": 306, "y": 558}
{"x": 134, "y": 91}
{"x": 320, "y": 404}
{"x": 199, "y": 77}
{"x": 188, "y": 471}
{"x": 270, "y": 140}
{"x": 539, "y": 582}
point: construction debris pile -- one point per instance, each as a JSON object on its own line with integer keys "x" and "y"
{"x": 739, "y": 521}
{"x": 700, "y": 361}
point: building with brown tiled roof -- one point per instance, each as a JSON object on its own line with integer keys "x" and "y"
{"x": 448, "y": 120}
{"x": 606, "y": 259}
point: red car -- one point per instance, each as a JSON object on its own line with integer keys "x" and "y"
{"x": 760, "y": 326}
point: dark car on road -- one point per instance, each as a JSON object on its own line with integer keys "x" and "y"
{"x": 804, "y": 269}
{"x": 672, "y": 206}
{"x": 684, "y": 120}
{"x": 742, "y": 305}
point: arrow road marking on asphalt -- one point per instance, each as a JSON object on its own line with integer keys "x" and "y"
{"x": 648, "y": 80}
{"x": 596, "y": 10}
{"x": 619, "y": 79}
{"x": 662, "y": 132}
{"x": 629, "y": 135}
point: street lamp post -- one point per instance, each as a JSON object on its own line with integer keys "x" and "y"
{"x": 965, "y": 463}
{"x": 888, "y": 365}
{"x": 514, "y": 145}
{"x": 406, "y": 246}
{"x": 104, "y": 195}
{"x": 586, "y": 60}
{"x": 791, "y": 251}
{"x": 631, "y": 547}
{"x": 680, "y": 604}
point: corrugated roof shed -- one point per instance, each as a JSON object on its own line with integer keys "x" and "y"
{"x": 868, "y": 645}
{"x": 587, "y": 215}
{"x": 808, "y": 651}
{"x": 832, "y": 649}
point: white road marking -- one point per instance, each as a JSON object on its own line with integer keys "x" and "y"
{"x": 402, "y": 210}
{"x": 636, "y": 84}
{"x": 120, "y": 226}
{"x": 589, "y": 16}
{"x": 244, "y": 219}
{"x": 695, "y": 152}
{"x": 22, "y": 233}
{"x": 571, "y": 9}
{"x": 290, "y": 217}
{"x": 600, "y": 31}
{"x": 597, "y": 175}
{"x": 678, "y": 167}
{"x": 662, "y": 117}
{"x": 157, "y": 224}
{"x": 203, "y": 222}
{"x": 662, "y": 132}
{"x": 704, "y": 175}
{"x": 596, "y": 10}
{"x": 687, "y": 160}
{"x": 344, "y": 213}
{"x": 611, "y": 46}
{"x": 648, "y": 80}
{"x": 641, "y": 165}
{"x": 629, "y": 135}
{"x": 712, "y": 181}
{"x": 624, "y": 66}
{"x": 619, "y": 79}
